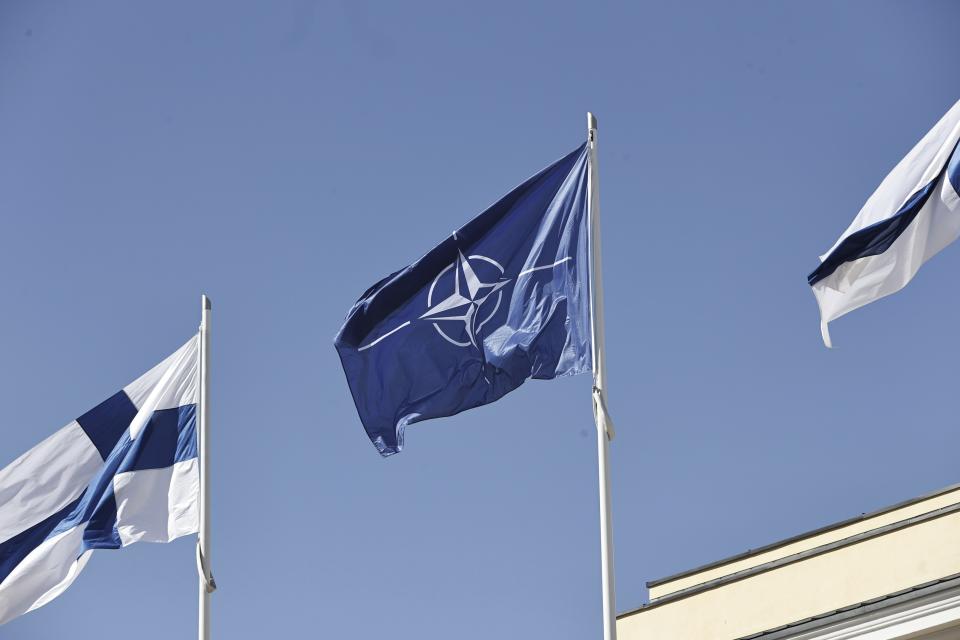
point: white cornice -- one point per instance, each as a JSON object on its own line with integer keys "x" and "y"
{"x": 902, "y": 620}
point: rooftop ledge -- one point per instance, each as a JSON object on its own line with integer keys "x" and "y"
{"x": 841, "y": 565}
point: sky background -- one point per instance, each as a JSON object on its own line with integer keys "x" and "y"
{"x": 283, "y": 156}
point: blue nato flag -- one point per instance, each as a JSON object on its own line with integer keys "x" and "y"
{"x": 505, "y": 298}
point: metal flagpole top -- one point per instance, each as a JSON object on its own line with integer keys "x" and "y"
{"x": 206, "y": 301}
{"x": 591, "y": 120}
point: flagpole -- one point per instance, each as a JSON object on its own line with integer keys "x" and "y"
{"x": 605, "y": 431}
{"x": 207, "y": 584}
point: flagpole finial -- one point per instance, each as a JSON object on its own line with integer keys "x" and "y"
{"x": 591, "y": 120}
{"x": 206, "y": 301}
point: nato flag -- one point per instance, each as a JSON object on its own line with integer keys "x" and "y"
{"x": 504, "y": 298}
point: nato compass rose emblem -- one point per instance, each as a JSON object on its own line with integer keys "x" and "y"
{"x": 467, "y": 304}
{"x": 474, "y": 291}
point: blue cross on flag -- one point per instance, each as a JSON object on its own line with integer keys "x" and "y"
{"x": 504, "y": 298}
{"x": 912, "y": 216}
{"x": 126, "y": 471}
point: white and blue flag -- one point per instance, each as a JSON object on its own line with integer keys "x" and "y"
{"x": 126, "y": 471}
{"x": 504, "y": 298}
{"x": 913, "y": 215}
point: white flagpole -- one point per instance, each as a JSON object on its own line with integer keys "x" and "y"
{"x": 207, "y": 584}
{"x": 604, "y": 425}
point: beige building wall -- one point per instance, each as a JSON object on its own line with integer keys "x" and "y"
{"x": 812, "y": 575}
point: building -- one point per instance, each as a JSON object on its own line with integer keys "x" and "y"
{"x": 894, "y": 573}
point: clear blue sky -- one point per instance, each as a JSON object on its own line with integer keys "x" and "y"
{"x": 283, "y": 156}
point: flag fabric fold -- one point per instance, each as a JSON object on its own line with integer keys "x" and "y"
{"x": 125, "y": 471}
{"x": 910, "y": 218}
{"x": 505, "y": 298}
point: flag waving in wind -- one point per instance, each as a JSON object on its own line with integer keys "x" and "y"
{"x": 504, "y": 298}
{"x": 125, "y": 471}
{"x": 913, "y": 215}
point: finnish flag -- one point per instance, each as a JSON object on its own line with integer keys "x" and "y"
{"x": 126, "y": 471}
{"x": 909, "y": 219}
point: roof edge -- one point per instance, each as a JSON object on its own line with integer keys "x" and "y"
{"x": 809, "y": 534}
{"x": 791, "y": 559}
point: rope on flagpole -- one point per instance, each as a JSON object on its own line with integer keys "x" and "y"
{"x": 206, "y": 575}
{"x": 602, "y": 414}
